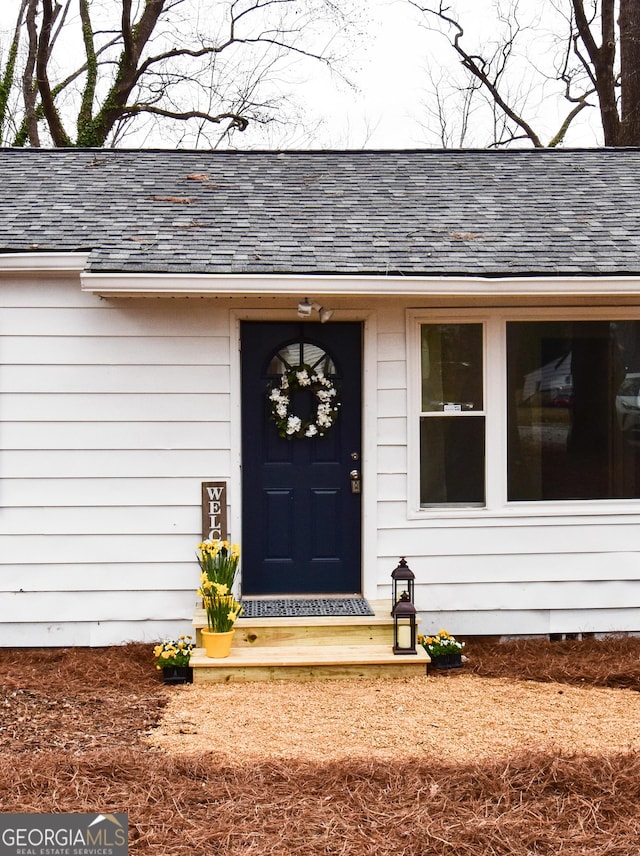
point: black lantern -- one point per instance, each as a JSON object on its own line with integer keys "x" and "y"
{"x": 404, "y": 626}
{"x": 403, "y": 580}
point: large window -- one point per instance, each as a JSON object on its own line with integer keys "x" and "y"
{"x": 528, "y": 410}
{"x": 573, "y": 410}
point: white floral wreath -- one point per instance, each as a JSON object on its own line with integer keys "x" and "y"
{"x": 303, "y": 377}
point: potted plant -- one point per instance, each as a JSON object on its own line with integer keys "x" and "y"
{"x": 444, "y": 649}
{"x": 222, "y": 613}
{"x": 218, "y": 561}
{"x": 172, "y": 659}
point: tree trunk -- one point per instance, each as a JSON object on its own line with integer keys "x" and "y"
{"x": 629, "y": 24}
{"x": 602, "y": 61}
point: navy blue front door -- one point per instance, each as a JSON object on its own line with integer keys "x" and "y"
{"x": 301, "y": 519}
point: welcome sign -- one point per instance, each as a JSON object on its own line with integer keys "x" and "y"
{"x": 214, "y": 511}
{"x": 64, "y": 835}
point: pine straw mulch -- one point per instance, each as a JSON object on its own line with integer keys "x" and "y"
{"x": 75, "y": 726}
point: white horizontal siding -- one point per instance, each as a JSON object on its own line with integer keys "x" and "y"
{"x": 391, "y": 341}
{"x": 115, "y": 407}
{"x": 140, "y": 318}
{"x": 391, "y": 374}
{"x": 111, "y": 416}
{"x": 392, "y": 459}
{"x": 114, "y": 379}
{"x": 392, "y": 402}
{"x": 98, "y": 520}
{"x": 531, "y": 622}
{"x": 393, "y": 487}
{"x": 458, "y": 569}
{"x": 511, "y": 540}
{"x": 469, "y": 597}
{"x": 59, "y": 606}
{"x": 91, "y": 633}
{"x": 115, "y": 350}
{"x": 79, "y": 549}
{"x": 392, "y": 431}
{"x": 19, "y": 291}
{"x": 89, "y": 576}
{"x": 122, "y": 492}
{"x": 114, "y": 435}
{"x": 94, "y": 463}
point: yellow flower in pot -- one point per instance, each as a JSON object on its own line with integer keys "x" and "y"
{"x": 444, "y": 649}
{"x": 219, "y": 561}
{"x": 172, "y": 659}
{"x": 222, "y": 613}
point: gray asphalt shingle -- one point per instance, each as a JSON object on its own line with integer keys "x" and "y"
{"x": 482, "y": 213}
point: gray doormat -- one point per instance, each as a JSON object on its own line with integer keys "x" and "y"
{"x": 295, "y": 607}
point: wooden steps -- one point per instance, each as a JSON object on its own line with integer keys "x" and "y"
{"x": 308, "y": 649}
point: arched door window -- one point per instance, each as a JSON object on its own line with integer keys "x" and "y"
{"x": 300, "y": 353}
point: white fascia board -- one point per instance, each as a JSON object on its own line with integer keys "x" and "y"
{"x": 43, "y": 262}
{"x": 149, "y": 284}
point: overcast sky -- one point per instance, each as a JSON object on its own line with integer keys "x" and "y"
{"x": 389, "y": 69}
{"x": 385, "y": 112}
{"x": 390, "y": 110}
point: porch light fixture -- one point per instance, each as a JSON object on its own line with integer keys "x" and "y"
{"x": 403, "y": 580}
{"x": 305, "y": 308}
{"x": 404, "y": 626}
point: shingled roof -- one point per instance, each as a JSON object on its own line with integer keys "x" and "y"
{"x": 411, "y": 213}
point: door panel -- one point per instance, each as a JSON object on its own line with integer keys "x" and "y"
{"x": 301, "y": 522}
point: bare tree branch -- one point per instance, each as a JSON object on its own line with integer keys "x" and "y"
{"x": 597, "y": 55}
{"x": 148, "y": 58}
{"x": 479, "y": 68}
{"x": 558, "y": 138}
{"x": 235, "y": 120}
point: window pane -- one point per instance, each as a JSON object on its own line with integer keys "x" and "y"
{"x": 573, "y": 410}
{"x": 451, "y": 367}
{"x": 452, "y": 460}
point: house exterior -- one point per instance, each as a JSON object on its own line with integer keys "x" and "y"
{"x": 150, "y": 306}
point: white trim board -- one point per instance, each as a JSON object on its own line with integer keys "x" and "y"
{"x": 132, "y": 284}
{"x": 42, "y": 262}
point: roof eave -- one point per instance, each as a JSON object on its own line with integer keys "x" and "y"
{"x": 202, "y": 285}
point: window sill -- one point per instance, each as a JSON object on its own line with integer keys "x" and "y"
{"x": 529, "y": 513}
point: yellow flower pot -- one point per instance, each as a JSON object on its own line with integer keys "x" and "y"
{"x": 217, "y": 645}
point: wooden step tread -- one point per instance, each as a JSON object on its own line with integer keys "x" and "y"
{"x": 305, "y": 655}
{"x": 382, "y": 617}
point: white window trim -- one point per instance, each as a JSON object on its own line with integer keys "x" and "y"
{"x": 494, "y": 322}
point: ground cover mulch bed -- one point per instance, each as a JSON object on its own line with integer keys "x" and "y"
{"x": 77, "y": 732}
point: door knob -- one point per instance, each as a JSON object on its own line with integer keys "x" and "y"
{"x": 354, "y": 475}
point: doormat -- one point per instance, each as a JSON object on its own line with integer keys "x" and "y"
{"x": 295, "y": 607}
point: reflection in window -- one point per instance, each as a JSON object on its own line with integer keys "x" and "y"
{"x": 573, "y": 410}
{"x": 452, "y": 461}
{"x": 451, "y": 367}
{"x": 452, "y": 424}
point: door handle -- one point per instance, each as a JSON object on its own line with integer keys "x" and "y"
{"x": 354, "y": 475}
